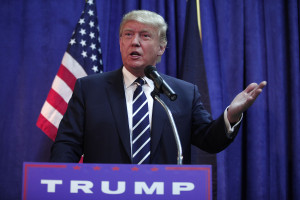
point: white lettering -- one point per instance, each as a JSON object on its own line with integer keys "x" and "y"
{"x": 105, "y": 187}
{"x": 182, "y": 186}
{"x": 85, "y": 186}
{"x": 139, "y": 187}
{"x": 51, "y": 184}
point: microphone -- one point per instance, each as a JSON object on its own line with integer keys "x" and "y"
{"x": 159, "y": 83}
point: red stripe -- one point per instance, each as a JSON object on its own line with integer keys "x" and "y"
{"x": 55, "y": 100}
{"x": 66, "y": 76}
{"x": 47, "y": 127}
{"x": 28, "y": 165}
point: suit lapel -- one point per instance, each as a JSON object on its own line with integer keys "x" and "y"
{"x": 116, "y": 95}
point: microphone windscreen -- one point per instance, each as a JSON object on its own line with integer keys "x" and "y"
{"x": 148, "y": 70}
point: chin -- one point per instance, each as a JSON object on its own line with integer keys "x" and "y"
{"x": 137, "y": 65}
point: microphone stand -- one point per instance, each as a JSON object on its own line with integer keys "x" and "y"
{"x": 155, "y": 95}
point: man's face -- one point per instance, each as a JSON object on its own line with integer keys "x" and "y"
{"x": 139, "y": 46}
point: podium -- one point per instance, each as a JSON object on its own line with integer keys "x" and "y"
{"x": 116, "y": 181}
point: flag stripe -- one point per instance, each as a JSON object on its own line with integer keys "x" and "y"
{"x": 62, "y": 88}
{"x": 47, "y": 127}
{"x": 66, "y": 76}
{"x": 73, "y": 66}
{"x": 56, "y": 101}
{"x": 51, "y": 114}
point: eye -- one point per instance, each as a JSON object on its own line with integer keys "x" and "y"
{"x": 146, "y": 35}
{"x": 127, "y": 34}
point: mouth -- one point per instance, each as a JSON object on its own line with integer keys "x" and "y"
{"x": 135, "y": 54}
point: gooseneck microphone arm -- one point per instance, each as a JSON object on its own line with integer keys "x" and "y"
{"x": 155, "y": 95}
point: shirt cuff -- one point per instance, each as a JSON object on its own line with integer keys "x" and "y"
{"x": 230, "y": 129}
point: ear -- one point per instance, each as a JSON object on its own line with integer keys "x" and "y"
{"x": 162, "y": 49}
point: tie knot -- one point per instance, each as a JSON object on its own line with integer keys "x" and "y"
{"x": 139, "y": 81}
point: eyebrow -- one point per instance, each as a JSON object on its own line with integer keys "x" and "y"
{"x": 141, "y": 31}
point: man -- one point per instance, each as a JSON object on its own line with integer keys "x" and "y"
{"x": 101, "y": 123}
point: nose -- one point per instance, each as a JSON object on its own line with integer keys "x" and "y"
{"x": 135, "y": 40}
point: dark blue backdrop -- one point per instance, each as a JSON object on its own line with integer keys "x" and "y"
{"x": 243, "y": 41}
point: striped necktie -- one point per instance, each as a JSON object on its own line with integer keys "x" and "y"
{"x": 140, "y": 126}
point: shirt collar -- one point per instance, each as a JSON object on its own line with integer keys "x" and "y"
{"x": 130, "y": 78}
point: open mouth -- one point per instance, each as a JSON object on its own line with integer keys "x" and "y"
{"x": 135, "y": 53}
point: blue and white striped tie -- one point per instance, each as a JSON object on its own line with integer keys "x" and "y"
{"x": 140, "y": 126}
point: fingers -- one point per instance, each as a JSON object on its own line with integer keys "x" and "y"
{"x": 251, "y": 87}
{"x": 262, "y": 84}
{"x": 258, "y": 89}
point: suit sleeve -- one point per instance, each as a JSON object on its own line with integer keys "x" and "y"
{"x": 207, "y": 134}
{"x": 68, "y": 145}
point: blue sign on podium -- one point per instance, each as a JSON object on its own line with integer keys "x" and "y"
{"x": 116, "y": 181}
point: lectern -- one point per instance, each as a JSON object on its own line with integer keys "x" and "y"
{"x": 116, "y": 181}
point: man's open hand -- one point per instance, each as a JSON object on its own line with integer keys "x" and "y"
{"x": 243, "y": 101}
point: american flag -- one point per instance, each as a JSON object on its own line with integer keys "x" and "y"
{"x": 83, "y": 57}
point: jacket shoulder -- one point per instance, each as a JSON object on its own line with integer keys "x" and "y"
{"x": 101, "y": 77}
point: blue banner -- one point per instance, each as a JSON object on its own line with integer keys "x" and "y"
{"x": 116, "y": 181}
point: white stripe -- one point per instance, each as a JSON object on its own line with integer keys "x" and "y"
{"x": 139, "y": 108}
{"x": 136, "y": 98}
{"x": 141, "y": 147}
{"x": 73, "y": 66}
{"x": 51, "y": 114}
{"x": 146, "y": 156}
{"x": 141, "y": 134}
{"x": 62, "y": 89}
{"x": 140, "y": 121}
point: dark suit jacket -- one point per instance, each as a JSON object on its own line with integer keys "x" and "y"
{"x": 96, "y": 124}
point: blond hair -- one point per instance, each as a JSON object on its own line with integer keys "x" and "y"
{"x": 148, "y": 18}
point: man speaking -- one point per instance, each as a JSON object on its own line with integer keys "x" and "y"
{"x": 112, "y": 118}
